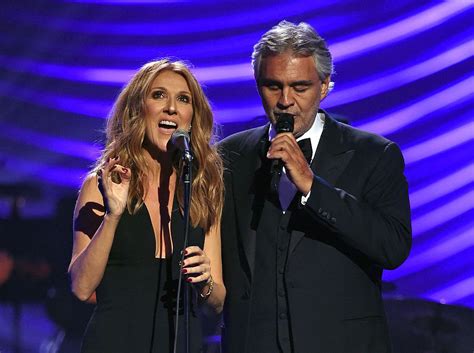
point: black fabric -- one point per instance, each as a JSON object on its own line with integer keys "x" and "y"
{"x": 269, "y": 313}
{"x": 136, "y": 297}
{"x": 285, "y": 340}
{"x": 263, "y": 338}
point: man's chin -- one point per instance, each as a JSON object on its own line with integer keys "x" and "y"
{"x": 298, "y": 130}
{"x": 271, "y": 118}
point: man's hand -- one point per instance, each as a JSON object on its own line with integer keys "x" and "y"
{"x": 285, "y": 147}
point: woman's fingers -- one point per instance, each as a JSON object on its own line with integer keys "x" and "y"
{"x": 104, "y": 172}
{"x": 193, "y": 250}
{"x": 197, "y": 269}
{"x": 195, "y": 257}
{"x": 113, "y": 181}
{"x": 196, "y": 265}
{"x": 124, "y": 173}
{"x": 112, "y": 166}
{"x": 196, "y": 260}
{"x": 204, "y": 277}
{"x": 197, "y": 274}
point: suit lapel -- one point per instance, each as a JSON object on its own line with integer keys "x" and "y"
{"x": 331, "y": 158}
{"x": 245, "y": 175}
{"x": 333, "y": 152}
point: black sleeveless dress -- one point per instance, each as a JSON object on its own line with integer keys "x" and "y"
{"x": 135, "y": 310}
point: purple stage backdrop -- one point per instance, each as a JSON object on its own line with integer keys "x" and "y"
{"x": 403, "y": 70}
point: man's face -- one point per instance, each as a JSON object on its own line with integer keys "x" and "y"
{"x": 290, "y": 84}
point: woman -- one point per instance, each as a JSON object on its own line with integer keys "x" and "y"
{"x": 128, "y": 230}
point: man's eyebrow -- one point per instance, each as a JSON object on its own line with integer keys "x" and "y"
{"x": 269, "y": 81}
{"x": 301, "y": 83}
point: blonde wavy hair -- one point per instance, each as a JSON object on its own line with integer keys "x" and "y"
{"x": 125, "y": 135}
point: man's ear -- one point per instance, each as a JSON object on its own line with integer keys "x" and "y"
{"x": 325, "y": 87}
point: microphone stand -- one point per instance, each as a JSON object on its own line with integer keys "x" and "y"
{"x": 187, "y": 182}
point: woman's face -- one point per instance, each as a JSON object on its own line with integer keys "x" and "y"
{"x": 168, "y": 106}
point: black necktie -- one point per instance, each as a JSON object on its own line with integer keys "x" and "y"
{"x": 306, "y": 148}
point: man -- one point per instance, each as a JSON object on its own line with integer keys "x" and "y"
{"x": 303, "y": 266}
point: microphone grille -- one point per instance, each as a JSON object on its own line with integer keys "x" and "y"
{"x": 179, "y": 133}
{"x": 285, "y": 122}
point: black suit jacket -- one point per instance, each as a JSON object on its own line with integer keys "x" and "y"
{"x": 355, "y": 223}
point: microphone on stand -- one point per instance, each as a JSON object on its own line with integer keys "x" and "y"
{"x": 285, "y": 123}
{"x": 180, "y": 139}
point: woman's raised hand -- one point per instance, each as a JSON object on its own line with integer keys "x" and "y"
{"x": 114, "y": 182}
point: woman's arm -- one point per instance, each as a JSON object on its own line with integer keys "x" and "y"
{"x": 94, "y": 227}
{"x": 207, "y": 263}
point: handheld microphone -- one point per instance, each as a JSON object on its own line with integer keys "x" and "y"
{"x": 285, "y": 123}
{"x": 180, "y": 140}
